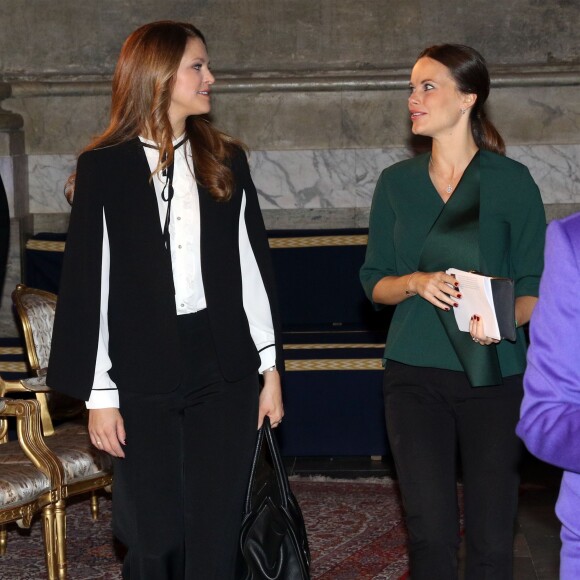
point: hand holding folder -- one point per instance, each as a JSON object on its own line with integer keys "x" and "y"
{"x": 490, "y": 297}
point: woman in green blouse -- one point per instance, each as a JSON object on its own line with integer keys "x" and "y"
{"x": 463, "y": 205}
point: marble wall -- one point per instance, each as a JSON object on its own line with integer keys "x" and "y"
{"x": 327, "y": 178}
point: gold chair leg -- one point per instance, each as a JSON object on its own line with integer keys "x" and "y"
{"x": 60, "y": 514}
{"x": 94, "y": 506}
{"x": 48, "y": 520}
{"x": 3, "y": 540}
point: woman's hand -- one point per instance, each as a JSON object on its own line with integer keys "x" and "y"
{"x": 477, "y": 331}
{"x": 107, "y": 430}
{"x": 271, "y": 399}
{"x": 439, "y": 288}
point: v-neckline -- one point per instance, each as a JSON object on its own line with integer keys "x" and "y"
{"x": 459, "y": 183}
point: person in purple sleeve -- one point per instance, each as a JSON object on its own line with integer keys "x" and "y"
{"x": 550, "y": 414}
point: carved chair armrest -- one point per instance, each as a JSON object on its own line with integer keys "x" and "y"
{"x": 38, "y": 386}
{"x": 28, "y": 429}
{"x": 13, "y": 387}
{"x": 30, "y": 385}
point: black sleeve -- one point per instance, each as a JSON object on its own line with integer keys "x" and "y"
{"x": 259, "y": 242}
{"x": 76, "y": 327}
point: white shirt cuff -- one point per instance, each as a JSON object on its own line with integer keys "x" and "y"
{"x": 103, "y": 399}
{"x": 267, "y": 358}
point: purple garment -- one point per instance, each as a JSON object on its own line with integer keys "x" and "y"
{"x": 550, "y": 414}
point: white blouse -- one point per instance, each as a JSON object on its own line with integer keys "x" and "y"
{"x": 184, "y": 232}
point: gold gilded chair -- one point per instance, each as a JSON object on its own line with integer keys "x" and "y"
{"x": 36, "y": 310}
{"x": 30, "y": 478}
{"x": 86, "y": 469}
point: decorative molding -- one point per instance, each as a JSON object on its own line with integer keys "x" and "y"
{"x": 335, "y": 364}
{"x": 13, "y": 367}
{"x": 11, "y": 350}
{"x": 308, "y": 81}
{"x": 317, "y": 241}
{"x": 275, "y": 243}
{"x": 45, "y": 246}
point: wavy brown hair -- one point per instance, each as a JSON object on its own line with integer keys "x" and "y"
{"x": 141, "y": 95}
{"x": 469, "y": 70}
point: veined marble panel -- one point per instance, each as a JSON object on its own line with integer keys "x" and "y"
{"x": 369, "y": 165}
{"x": 325, "y": 179}
{"x": 555, "y": 168}
{"x": 304, "y": 179}
{"x": 347, "y": 177}
{"x": 47, "y": 177}
{"x": 335, "y": 178}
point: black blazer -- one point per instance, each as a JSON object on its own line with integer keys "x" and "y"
{"x": 143, "y": 336}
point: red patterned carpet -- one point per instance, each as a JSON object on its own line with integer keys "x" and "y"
{"x": 355, "y": 529}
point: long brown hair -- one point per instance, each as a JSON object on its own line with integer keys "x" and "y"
{"x": 469, "y": 70}
{"x": 141, "y": 95}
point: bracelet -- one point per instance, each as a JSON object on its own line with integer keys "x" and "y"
{"x": 272, "y": 368}
{"x": 407, "y": 291}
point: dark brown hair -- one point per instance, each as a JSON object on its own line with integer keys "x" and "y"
{"x": 141, "y": 95}
{"x": 469, "y": 70}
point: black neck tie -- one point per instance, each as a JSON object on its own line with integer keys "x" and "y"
{"x": 167, "y": 193}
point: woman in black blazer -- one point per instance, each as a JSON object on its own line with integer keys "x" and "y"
{"x": 167, "y": 314}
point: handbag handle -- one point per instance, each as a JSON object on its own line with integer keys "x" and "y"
{"x": 265, "y": 434}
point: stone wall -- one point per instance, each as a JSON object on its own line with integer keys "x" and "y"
{"x": 42, "y": 37}
{"x": 316, "y": 88}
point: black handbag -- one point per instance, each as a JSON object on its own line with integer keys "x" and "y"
{"x": 273, "y": 537}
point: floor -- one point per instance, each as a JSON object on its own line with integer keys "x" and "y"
{"x": 537, "y": 542}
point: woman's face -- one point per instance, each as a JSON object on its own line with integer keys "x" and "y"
{"x": 435, "y": 102}
{"x": 191, "y": 92}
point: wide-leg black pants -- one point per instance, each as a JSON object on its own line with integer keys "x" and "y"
{"x": 178, "y": 494}
{"x": 431, "y": 413}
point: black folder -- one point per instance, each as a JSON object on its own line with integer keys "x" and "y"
{"x": 504, "y": 305}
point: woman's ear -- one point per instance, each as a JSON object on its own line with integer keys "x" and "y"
{"x": 468, "y": 100}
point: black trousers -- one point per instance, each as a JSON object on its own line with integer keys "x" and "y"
{"x": 431, "y": 413}
{"x": 178, "y": 494}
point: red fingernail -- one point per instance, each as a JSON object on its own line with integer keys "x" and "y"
{"x": 459, "y": 296}
{"x": 455, "y": 304}
{"x": 456, "y": 283}
{"x": 477, "y": 318}
{"x": 447, "y": 310}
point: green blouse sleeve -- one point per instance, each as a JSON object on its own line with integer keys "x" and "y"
{"x": 527, "y": 233}
{"x": 380, "y": 260}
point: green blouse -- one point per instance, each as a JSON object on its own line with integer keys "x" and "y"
{"x": 512, "y": 227}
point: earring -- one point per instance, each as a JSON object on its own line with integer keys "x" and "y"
{"x": 463, "y": 111}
